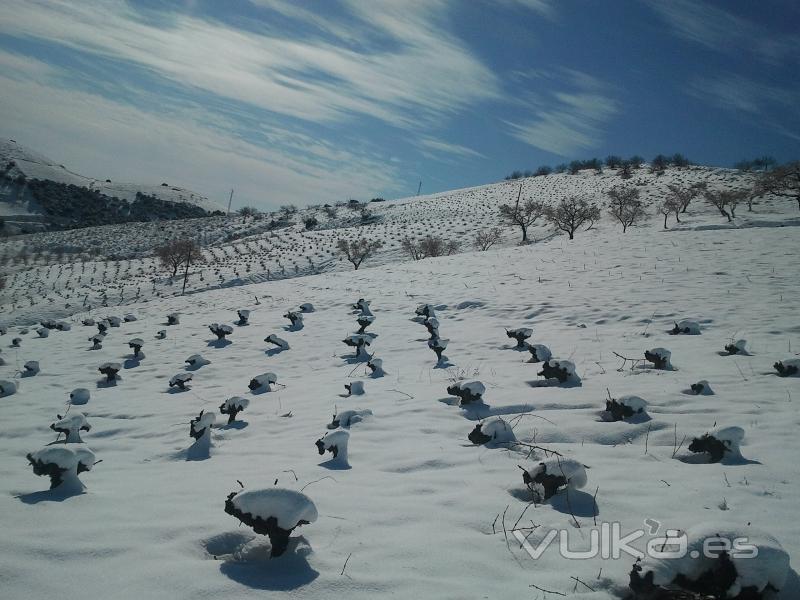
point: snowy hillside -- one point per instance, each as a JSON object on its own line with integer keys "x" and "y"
{"x": 16, "y": 201}
{"x": 415, "y": 509}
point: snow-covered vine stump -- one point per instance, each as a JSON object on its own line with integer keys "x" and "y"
{"x": 306, "y": 307}
{"x": 685, "y": 327}
{"x": 30, "y": 368}
{"x": 274, "y": 512}
{"x": 354, "y": 388}
{"x": 493, "y": 430}
{"x": 362, "y": 306}
{"x": 364, "y": 321}
{"x": 360, "y": 343}
{"x": 336, "y": 443}
{"x": 438, "y": 345}
{"x": 719, "y": 444}
{"x": 425, "y": 310}
{"x": 7, "y": 388}
{"x": 789, "y": 367}
{"x": 97, "y": 341}
{"x": 233, "y": 406}
{"x": 277, "y": 342}
{"x": 71, "y": 426}
{"x": 624, "y": 407}
{"x": 553, "y": 474}
{"x": 63, "y": 464}
{"x": 375, "y": 365}
{"x": 79, "y": 396}
{"x": 702, "y": 388}
{"x": 180, "y": 381}
{"x": 220, "y": 330}
{"x": 200, "y": 427}
{"x": 737, "y": 347}
{"x": 346, "y": 418}
{"x": 561, "y": 370}
{"x": 707, "y": 568}
{"x": 136, "y": 345}
{"x": 110, "y": 370}
{"x": 263, "y": 382}
{"x": 539, "y": 353}
{"x": 195, "y": 361}
{"x": 173, "y": 319}
{"x": 660, "y": 357}
{"x": 520, "y": 334}
{"x": 467, "y": 391}
{"x": 244, "y": 317}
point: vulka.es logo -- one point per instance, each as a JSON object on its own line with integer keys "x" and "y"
{"x": 608, "y": 541}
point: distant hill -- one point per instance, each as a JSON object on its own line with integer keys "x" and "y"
{"x": 38, "y": 194}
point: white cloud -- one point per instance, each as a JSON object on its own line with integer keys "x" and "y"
{"x": 448, "y": 148}
{"x": 569, "y": 120}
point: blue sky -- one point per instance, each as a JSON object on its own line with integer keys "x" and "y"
{"x": 290, "y": 101}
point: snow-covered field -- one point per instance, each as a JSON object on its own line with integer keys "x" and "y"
{"x": 421, "y": 512}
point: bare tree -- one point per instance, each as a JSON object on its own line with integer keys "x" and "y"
{"x": 725, "y": 201}
{"x": 782, "y": 181}
{"x": 170, "y": 256}
{"x": 191, "y": 254}
{"x": 248, "y": 211}
{"x": 668, "y": 205}
{"x": 428, "y": 247}
{"x": 571, "y": 213}
{"x": 624, "y": 205}
{"x": 685, "y": 195}
{"x": 487, "y": 238}
{"x": 357, "y": 251}
{"x": 522, "y": 214}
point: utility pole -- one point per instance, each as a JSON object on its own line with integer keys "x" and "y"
{"x": 230, "y": 199}
{"x": 419, "y": 187}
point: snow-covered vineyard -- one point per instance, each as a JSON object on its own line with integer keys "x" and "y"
{"x": 61, "y": 273}
{"x": 410, "y": 429}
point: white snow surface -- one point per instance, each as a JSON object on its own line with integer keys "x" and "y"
{"x": 151, "y": 522}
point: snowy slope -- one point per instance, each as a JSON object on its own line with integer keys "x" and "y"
{"x": 33, "y": 165}
{"x": 422, "y": 512}
{"x": 59, "y": 273}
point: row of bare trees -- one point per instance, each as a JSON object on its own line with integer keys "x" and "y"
{"x": 569, "y": 215}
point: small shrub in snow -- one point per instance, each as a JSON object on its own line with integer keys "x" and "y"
{"x": 79, "y": 396}
{"x": 200, "y": 426}
{"x": 686, "y": 327}
{"x": 30, "y": 368}
{"x": 702, "y": 388}
{"x": 660, "y": 357}
{"x": 276, "y": 341}
{"x": 788, "y": 368}
{"x": 274, "y": 512}
{"x": 493, "y": 430}
{"x": 173, "y": 319}
{"x": 354, "y": 388}
{"x": 180, "y": 380}
{"x": 375, "y": 365}
{"x": 110, "y": 370}
{"x": 425, "y": 310}
{"x": 553, "y": 474}
{"x": 364, "y": 321}
{"x": 43, "y": 332}
{"x": 562, "y": 370}
{"x": 71, "y": 426}
{"x": 62, "y": 464}
{"x": 539, "y": 353}
{"x": 467, "y": 391}
{"x": 737, "y": 347}
{"x": 624, "y": 407}
{"x": 233, "y": 406}
{"x": 706, "y": 569}
{"x": 719, "y": 443}
{"x": 244, "y": 317}
{"x": 438, "y": 345}
{"x": 136, "y": 345}
{"x": 306, "y": 307}
{"x": 520, "y": 334}
{"x": 220, "y": 330}
{"x": 295, "y": 318}
{"x": 7, "y": 388}
{"x": 334, "y": 442}
{"x": 346, "y": 418}
{"x": 263, "y": 382}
